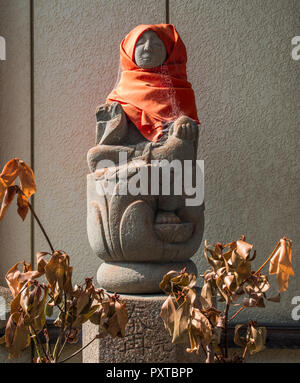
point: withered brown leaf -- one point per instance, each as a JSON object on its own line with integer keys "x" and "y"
{"x": 10, "y": 172}
{"x": 281, "y": 264}
{"x": 17, "y": 335}
{"x": 200, "y": 331}
{"x": 9, "y": 195}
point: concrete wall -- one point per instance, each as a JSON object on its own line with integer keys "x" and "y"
{"x": 248, "y": 100}
{"x": 244, "y": 78}
{"x": 14, "y": 121}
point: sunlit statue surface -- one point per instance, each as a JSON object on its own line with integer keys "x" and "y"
{"x": 149, "y": 118}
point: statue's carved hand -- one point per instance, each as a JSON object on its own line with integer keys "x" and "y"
{"x": 107, "y": 112}
{"x": 185, "y": 128}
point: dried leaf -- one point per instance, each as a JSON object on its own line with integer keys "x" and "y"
{"x": 243, "y": 249}
{"x": 117, "y": 319}
{"x": 95, "y": 318}
{"x": 58, "y": 273}
{"x": 220, "y": 283}
{"x": 165, "y": 283}
{"x": 243, "y": 271}
{"x": 238, "y": 340}
{"x": 41, "y": 261}
{"x": 257, "y": 339}
{"x": 254, "y": 301}
{"x": 181, "y": 323}
{"x": 275, "y": 299}
{"x": 83, "y": 302}
{"x": 281, "y": 264}
{"x": 111, "y": 316}
{"x": 122, "y": 317}
{"x": 17, "y": 335}
{"x": 27, "y": 183}
{"x": 231, "y": 245}
{"x": 12, "y": 278}
{"x": 72, "y": 335}
{"x": 227, "y": 255}
{"x": 212, "y": 314}
{"x": 177, "y": 320}
{"x": 214, "y": 259}
{"x": 2, "y": 189}
{"x": 16, "y": 279}
{"x": 230, "y": 282}
{"x": 10, "y": 329}
{"x": 15, "y": 304}
{"x": 200, "y": 331}
{"x": 82, "y": 318}
{"x": 33, "y": 300}
{"x": 184, "y": 280}
{"x": 257, "y": 284}
{"x": 167, "y": 314}
{"x": 10, "y": 172}
{"x": 84, "y": 315}
{"x": 7, "y": 200}
{"x": 22, "y": 206}
{"x": 207, "y": 293}
{"x": 194, "y": 345}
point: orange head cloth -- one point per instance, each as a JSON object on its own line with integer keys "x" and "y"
{"x": 152, "y": 97}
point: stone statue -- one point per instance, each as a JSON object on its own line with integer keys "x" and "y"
{"x": 150, "y": 118}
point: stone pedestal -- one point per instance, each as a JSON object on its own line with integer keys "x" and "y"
{"x": 146, "y": 339}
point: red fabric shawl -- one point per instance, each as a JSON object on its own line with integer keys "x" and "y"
{"x": 151, "y": 97}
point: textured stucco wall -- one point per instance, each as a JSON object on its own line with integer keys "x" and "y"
{"x": 14, "y": 121}
{"x": 247, "y": 95}
{"x": 247, "y": 92}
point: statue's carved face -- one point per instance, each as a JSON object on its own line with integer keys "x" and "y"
{"x": 150, "y": 51}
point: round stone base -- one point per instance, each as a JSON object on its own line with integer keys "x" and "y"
{"x": 137, "y": 277}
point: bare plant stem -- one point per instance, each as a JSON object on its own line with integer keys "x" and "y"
{"x": 33, "y": 336}
{"x": 37, "y": 219}
{"x": 256, "y": 272}
{"x": 203, "y": 349}
{"x": 245, "y": 352}
{"x": 40, "y": 343}
{"x": 55, "y": 349}
{"x": 209, "y": 354}
{"x": 48, "y": 345}
{"x": 62, "y": 328}
{"x": 78, "y": 351}
{"x": 70, "y": 327}
{"x": 41, "y": 226}
{"x": 239, "y": 310}
{"x": 62, "y": 348}
{"x": 226, "y": 328}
